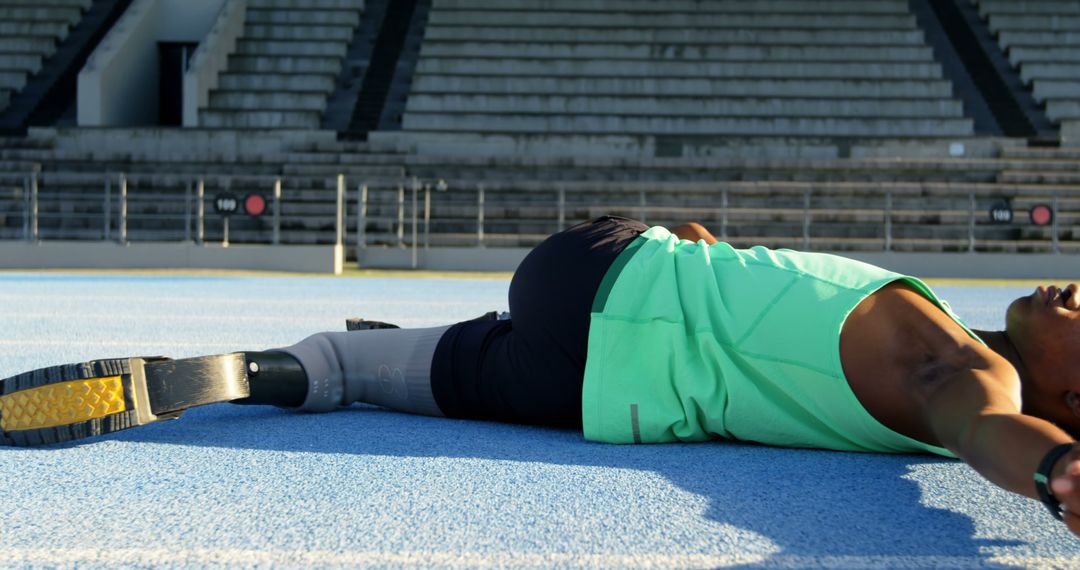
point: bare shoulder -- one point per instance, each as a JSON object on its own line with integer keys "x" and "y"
{"x": 899, "y": 350}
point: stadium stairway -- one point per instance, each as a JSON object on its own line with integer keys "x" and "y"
{"x": 1042, "y": 40}
{"x": 29, "y": 33}
{"x": 42, "y": 47}
{"x": 285, "y": 65}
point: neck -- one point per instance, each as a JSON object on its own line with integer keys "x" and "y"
{"x": 999, "y": 342}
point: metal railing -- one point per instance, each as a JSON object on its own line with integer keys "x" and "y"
{"x": 423, "y": 213}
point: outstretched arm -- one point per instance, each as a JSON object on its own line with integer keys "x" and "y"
{"x": 977, "y": 416}
{"x": 694, "y": 231}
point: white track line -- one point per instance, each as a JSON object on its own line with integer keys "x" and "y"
{"x": 246, "y": 558}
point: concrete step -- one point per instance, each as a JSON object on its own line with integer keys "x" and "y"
{"x": 291, "y": 32}
{"x": 284, "y": 64}
{"x": 57, "y": 30}
{"x": 38, "y": 45}
{"x": 260, "y": 119}
{"x": 297, "y": 82}
{"x": 1033, "y": 71}
{"x": 303, "y": 17}
{"x": 355, "y": 173}
{"x": 314, "y": 4}
{"x": 1008, "y": 39}
{"x": 281, "y": 101}
{"x": 623, "y": 20}
{"x": 839, "y": 88}
{"x": 671, "y": 52}
{"x": 1057, "y": 54}
{"x": 67, "y": 15}
{"x": 293, "y": 48}
{"x": 81, "y": 4}
{"x": 1046, "y": 89}
{"x": 1034, "y": 22}
{"x": 1060, "y": 110}
{"x": 714, "y": 6}
{"x": 639, "y": 146}
{"x": 687, "y": 106}
{"x": 12, "y": 80}
{"x": 1039, "y": 177}
{"x": 780, "y": 36}
{"x": 1025, "y": 152}
{"x": 659, "y": 70}
{"x": 29, "y": 63}
{"x": 987, "y": 7}
{"x": 603, "y": 125}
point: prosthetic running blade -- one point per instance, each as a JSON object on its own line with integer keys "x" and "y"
{"x": 74, "y": 401}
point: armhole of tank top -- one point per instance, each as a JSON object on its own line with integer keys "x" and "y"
{"x": 927, "y": 292}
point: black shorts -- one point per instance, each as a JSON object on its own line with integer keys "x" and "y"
{"x": 530, "y": 369}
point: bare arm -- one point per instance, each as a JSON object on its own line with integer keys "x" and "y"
{"x": 977, "y": 416}
{"x": 694, "y": 231}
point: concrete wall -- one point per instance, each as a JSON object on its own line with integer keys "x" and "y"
{"x": 118, "y": 86}
{"x": 949, "y": 265}
{"x": 111, "y": 255}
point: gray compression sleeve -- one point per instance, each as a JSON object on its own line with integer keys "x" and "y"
{"x": 385, "y": 367}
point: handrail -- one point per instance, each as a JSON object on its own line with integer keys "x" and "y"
{"x": 415, "y": 213}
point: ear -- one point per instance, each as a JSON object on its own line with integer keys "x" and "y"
{"x": 1072, "y": 399}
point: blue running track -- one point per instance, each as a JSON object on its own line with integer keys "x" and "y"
{"x": 232, "y": 486}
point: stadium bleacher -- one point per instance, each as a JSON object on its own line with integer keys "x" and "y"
{"x": 672, "y": 77}
{"x": 29, "y": 33}
{"x": 1042, "y": 39}
{"x": 810, "y": 123}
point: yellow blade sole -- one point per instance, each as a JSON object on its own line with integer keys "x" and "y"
{"x": 62, "y": 403}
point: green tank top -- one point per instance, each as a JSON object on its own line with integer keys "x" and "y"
{"x": 689, "y": 342}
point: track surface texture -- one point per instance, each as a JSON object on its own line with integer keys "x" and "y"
{"x": 232, "y": 486}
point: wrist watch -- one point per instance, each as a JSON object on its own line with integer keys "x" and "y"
{"x": 1042, "y": 478}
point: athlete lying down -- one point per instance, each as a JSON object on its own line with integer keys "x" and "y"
{"x": 646, "y": 335}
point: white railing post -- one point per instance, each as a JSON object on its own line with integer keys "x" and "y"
{"x": 187, "y": 212}
{"x": 480, "y": 215}
{"x": 339, "y": 221}
{"x": 971, "y": 221}
{"x": 562, "y": 208}
{"x": 34, "y": 209}
{"x": 277, "y": 211}
{"x": 888, "y": 219}
{"x": 107, "y": 207}
{"x": 723, "y": 213}
{"x": 401, "y": 215}
{"x": 200, "y": 206}
{"x": 427, "y": 216}
{"x": 806, "y": 220}
{"x": 123, "y": 208}
{"x": 361, "y": 218}
{"x": 415, "y": 190}
{"x": 1054, "y": 246}
{"x": 26, "y": 207}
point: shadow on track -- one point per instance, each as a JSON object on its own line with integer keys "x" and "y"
{"x": 813, "y": 504}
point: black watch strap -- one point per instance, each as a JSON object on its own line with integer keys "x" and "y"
{"x": 1042, "y": 478}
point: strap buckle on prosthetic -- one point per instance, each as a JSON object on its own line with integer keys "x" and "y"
{"x": 172, "y": 386}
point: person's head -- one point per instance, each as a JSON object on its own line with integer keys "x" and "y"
{"x": 1045, "y": 329}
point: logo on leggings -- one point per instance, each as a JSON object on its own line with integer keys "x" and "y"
{"x": 392, "y": 381}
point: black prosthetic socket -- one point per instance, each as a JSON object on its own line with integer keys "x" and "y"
{"x": 276, "y": 379}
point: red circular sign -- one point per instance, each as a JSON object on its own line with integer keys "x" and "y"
{"x": 1041, "y": 215}
{"x": 254, "y": 204}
